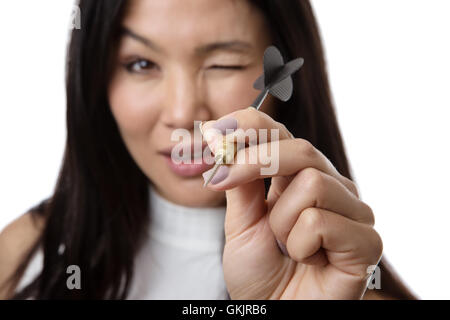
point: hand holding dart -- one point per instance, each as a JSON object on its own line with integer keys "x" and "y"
{"x": 275, "y": 80}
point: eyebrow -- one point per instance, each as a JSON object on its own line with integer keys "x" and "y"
{"x": 237, "y": 46}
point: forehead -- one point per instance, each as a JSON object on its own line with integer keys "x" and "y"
{"x": 186, "y": 24}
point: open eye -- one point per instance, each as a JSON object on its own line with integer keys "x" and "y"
{"x": 141, "y": 66}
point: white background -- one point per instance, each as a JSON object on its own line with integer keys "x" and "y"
{"x": 389, "y": 67}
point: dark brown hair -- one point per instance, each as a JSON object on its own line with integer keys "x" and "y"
{"x": 98, "y": 210}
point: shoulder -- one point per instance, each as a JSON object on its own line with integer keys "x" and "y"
{"x": 20, "y": 235}
{"x": 16, "y": 239}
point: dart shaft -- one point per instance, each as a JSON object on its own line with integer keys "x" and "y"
{"x": 216, "y": 167}
{"x": 260, "y": 99}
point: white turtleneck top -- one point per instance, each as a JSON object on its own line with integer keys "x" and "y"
{"x": 181, "y": 258}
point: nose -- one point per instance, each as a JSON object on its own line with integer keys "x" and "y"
{"x": 184, "y": 100}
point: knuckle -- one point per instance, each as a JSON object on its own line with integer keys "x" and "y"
{"x": 283, "y": 126}
{"x": 251, "y": 113}
{"x": 377, "y": 244}
{"x": 312, "y": 179}
{"x": 312, "y": 219}
{"x": 374, "y": 245}
{"x": 370, "y": 216}
{"x": 289, "y": 133}
{"x": 250, "y": 118}
{"x": 351, "y": 186}
{"x": 282, "y": 129}
{"x": 304, "y": 148}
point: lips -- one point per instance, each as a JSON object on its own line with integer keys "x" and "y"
{"x": 184, "y": 165}
{"x": 195, "y": 152}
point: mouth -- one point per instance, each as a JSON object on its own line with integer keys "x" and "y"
{"x": 188, "y": 160}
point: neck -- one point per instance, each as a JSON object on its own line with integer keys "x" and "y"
{"x": 196, "y": 228}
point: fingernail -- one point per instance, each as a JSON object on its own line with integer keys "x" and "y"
{"x": 221, "y": 174}
{"x": 226, "y": 125}
{"x": 200, "y": 125}
{"x": 282, "y": 248}
{"x": 213, "y": 130}
{"x": 211, "y": 135}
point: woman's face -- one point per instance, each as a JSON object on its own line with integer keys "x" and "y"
{"x": 182, "y": 61}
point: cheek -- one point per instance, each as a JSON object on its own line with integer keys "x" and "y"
{"x": 133, "y": 107}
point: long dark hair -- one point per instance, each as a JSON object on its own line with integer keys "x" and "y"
{"x": 97, "y": 215}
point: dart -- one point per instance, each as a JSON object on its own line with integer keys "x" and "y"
{"x": 276, "y": 80}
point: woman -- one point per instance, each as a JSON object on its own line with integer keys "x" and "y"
{"x": 138, "y": 70}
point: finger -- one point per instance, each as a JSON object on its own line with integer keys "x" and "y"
{"x": 245, "y": 203}
{"x": 244, "y": 126}
{"x": 313, "y": 188}
{"x": 322, "y": 237}
{"x": 245, "y": 208}
{"x": 282, "y": 158}
{"x": 276, "y": 189}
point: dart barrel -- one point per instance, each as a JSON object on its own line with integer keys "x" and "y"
{"x": 226, "y": 152}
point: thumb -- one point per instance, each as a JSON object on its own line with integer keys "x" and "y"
{"x": 246, "y": 205}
